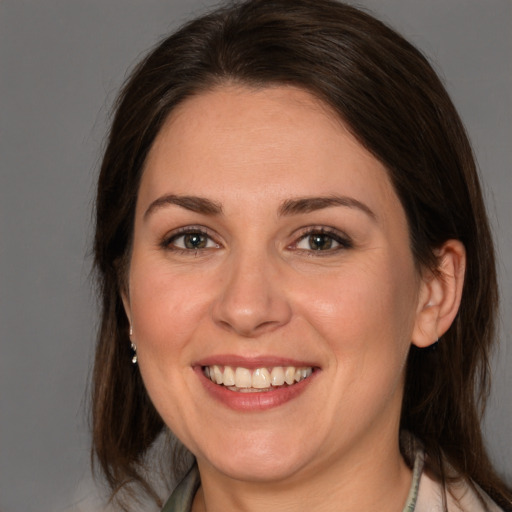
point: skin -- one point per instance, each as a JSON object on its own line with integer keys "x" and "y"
{"x": 258, "y": 289}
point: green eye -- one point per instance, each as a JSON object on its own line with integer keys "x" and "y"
{"x": 194, "y": 241}
{"x": 320, "y": 242}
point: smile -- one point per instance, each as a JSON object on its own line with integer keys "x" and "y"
{"x": 244, "y": 380}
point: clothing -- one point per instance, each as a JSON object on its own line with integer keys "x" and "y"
{"x": 425, "y": 494}
{"x": 182, "y": 497}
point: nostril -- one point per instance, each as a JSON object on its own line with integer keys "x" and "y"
{"x": 250, "y": 302}
{"x": 251, "y": 322}
{"x": 248, "y": 329}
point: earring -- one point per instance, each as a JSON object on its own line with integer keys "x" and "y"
{"x": 134, "y": 353}
{"x": 133, "y": 347}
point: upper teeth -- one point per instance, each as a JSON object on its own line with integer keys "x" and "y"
{"x": 260, "y": 378}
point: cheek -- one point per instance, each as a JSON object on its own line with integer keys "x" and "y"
{"x": 366, "y": 312}
{"x": 366, "y": 318}
{"x": 166, "y": 309}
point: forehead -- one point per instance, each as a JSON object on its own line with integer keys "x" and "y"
{"x": 258, "y": 145}
{"x": 250, "y": 119}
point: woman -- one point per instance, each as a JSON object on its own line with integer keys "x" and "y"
{"x": 294, "y": 255}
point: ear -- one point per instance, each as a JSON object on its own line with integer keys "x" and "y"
{"x": 440, "y": 294}
{"x": 127, "y": 308}
{"x": 122, "y": 270}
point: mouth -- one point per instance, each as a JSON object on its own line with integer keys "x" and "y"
{"x": 257, "y": 380}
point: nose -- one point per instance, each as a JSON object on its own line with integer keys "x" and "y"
{"x": 252, "y": 298}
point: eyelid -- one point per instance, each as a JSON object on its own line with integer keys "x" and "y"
{"x": 344, "y": 241}
{"x": 166, "y": 242}
{"x": 341, "y": 238}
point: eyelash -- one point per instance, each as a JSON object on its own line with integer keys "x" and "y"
{"x": 343, "y": 241}
{"x": 168, "y": 241}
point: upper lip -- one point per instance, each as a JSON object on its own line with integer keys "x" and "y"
{"x": 252, "y": 363}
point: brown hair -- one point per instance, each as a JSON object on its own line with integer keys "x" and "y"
{"x": 389, "y": 96}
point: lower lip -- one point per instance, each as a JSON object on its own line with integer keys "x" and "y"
{"x": 254, "y": 401}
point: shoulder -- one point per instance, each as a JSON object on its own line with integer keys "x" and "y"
{"x": 429, "y": 495}
{"x": 460, "y": 497}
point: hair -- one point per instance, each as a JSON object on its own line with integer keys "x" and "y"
{"x": 388, "y": 95}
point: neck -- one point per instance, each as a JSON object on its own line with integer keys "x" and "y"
{"x": 375, "y": 480}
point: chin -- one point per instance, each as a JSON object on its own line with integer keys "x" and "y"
{"x": 260, "y": 460}
{"x": 258, "y": 469}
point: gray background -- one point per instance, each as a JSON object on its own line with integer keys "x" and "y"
{"x": 61, "y": 63}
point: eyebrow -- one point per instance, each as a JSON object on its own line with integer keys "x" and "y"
{"x": 192, "y": 203}
{"x": 311, "y": 204}
{"x": 289, "y": 207}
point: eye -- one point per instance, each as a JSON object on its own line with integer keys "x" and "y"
{"x": 190, "y": 240}
{"x": 322, "y": 240}
{"x": 317, "y": 242}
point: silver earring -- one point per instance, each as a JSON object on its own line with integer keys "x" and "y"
{"x": 134, "y": 353}
{"x": 133, "y": 347}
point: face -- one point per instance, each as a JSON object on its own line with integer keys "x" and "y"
{"x": 271, "y": 287}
